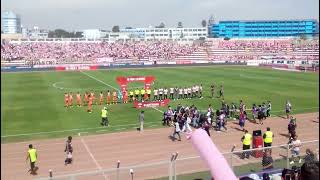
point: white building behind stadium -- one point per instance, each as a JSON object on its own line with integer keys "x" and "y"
{"x": 180, "y": 34}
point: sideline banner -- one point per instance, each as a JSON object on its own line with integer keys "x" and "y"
{"x": 139, "y": 105}
{"x": 123, "y": 81}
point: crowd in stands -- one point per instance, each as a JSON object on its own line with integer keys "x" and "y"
{"x": 75, "y": 51}
{"x": 89, "y": 52}
{"x": 273, "y": 49}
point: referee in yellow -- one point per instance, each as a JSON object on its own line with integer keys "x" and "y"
{"x": 246, "y": 141}
{"x": 104, "y": 117}
{"x": 137, "y": 92}
{"x": 267, "y": 138}
{"x": 32, "y": 155}
{"x": 142, "y": 92}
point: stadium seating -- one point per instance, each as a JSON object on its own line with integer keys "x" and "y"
{"x": 214, "y": 49}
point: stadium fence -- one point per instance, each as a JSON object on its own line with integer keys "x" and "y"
{"x": 179, "y": 168}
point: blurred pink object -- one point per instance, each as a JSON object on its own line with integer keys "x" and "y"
{"x": 207, "y": 150}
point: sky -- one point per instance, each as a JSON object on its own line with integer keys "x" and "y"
{"x": 104, "y": 14}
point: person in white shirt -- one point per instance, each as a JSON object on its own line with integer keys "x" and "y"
{"x": 180, "y": 93}
{"x": 176, "y": 131}
{"x": 171, "y": 93}
{"x": 193, "y": 91}
{"x": 165, "y": 92}
{"x": 189, "y": 92}
{"x": 155, "y": 94}
{"x": 200, "y": 91}
{"x": 288, "y": 109}
{"x": 185, "y": 92}
{"x": 186, "y": 126}
{"x": 295, "y": 149}
{"x": 197, "y": 90}
{"x": 160, "y": 93}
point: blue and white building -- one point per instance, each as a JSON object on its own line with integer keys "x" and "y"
{"x": 10, "y": 23}
{"x": 265, "y": 28}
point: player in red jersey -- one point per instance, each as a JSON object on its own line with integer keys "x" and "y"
{"x": 90, "y": 104}
{"x": 101, "y": 98}
{"x": 70, "y": 99}
{"x": 114, "y": 97}
{"x": 125, "y": 96}
{"x": 86, "y": 98}
{"x": 66, "y": 100}
{"x": 108, "y": 97}
{"x": 92, "y": 96}
{"x": 79, "y": 103}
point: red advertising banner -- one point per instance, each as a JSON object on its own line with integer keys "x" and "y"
{"x": 123, "y": 81}
{"x": 139, "y": 105}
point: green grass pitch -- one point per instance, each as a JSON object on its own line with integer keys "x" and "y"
{"x": 33, "y": 102}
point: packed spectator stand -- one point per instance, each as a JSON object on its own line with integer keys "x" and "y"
{"x": 41, "y": 52}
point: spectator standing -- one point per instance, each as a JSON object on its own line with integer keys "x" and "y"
{"x": 68, "y": 150}
{"x": 268, "y": 108}
{"x": 176, "y": 131}
{"x": 141, "y": 119}
{"x": 295, "y": 149}
{"x": 32, "y": 156}
{"x": 267, "y": 138}
{"x": 310, "y": 171}
{"x": 267, "y": 160}
{"x": 246, "y": 144}
{"x": 310, "y": 156}
{"x": 242, "y": 120}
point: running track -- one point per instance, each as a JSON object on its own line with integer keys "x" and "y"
{"x": 133, "y": 148}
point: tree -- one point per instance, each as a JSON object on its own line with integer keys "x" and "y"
{"x": 61, "y": 33}
{"x": 78, "y": 34}
{"x": 180, "y": 25}
{"x": 204, "y": 23}
{"x": 226, "y": 38}
{"x": 116, "y": 28}
{"x": 162, "y": 25}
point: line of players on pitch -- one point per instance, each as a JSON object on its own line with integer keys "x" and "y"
{"x": 115, "y": 97}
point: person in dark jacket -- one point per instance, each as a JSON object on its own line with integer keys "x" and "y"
{"x": 68, "y": 150}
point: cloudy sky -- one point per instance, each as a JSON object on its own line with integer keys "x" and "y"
{"x": 103, "y": 14}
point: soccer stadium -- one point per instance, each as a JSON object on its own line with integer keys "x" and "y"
{"x": 230, "y": 100}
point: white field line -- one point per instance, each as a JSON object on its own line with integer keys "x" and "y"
{"x": 92, "y": 157}
{"x": 119, "y": 129}
{"x": 98, "y": 80}
{"x": 68, "y": 130}
{"x": 102, "y": 130}
{"x": 157, "y": 109}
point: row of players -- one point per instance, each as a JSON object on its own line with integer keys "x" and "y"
{"x": 139, "y": 95}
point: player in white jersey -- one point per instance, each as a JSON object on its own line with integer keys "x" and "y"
{"x": 185, "y": 92}
{"x": 189, "y": 92}
{"x": 197, "y": 90}
{"x": 155, "y": 94}
{"x": 193, "y": 89}
{"x": 180, "y": 93}
{"x": 160, "y": 93}
{"x": 165, "y": 92}
{"x": 171, "y": 93}
{"x": 200, "y": 90}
